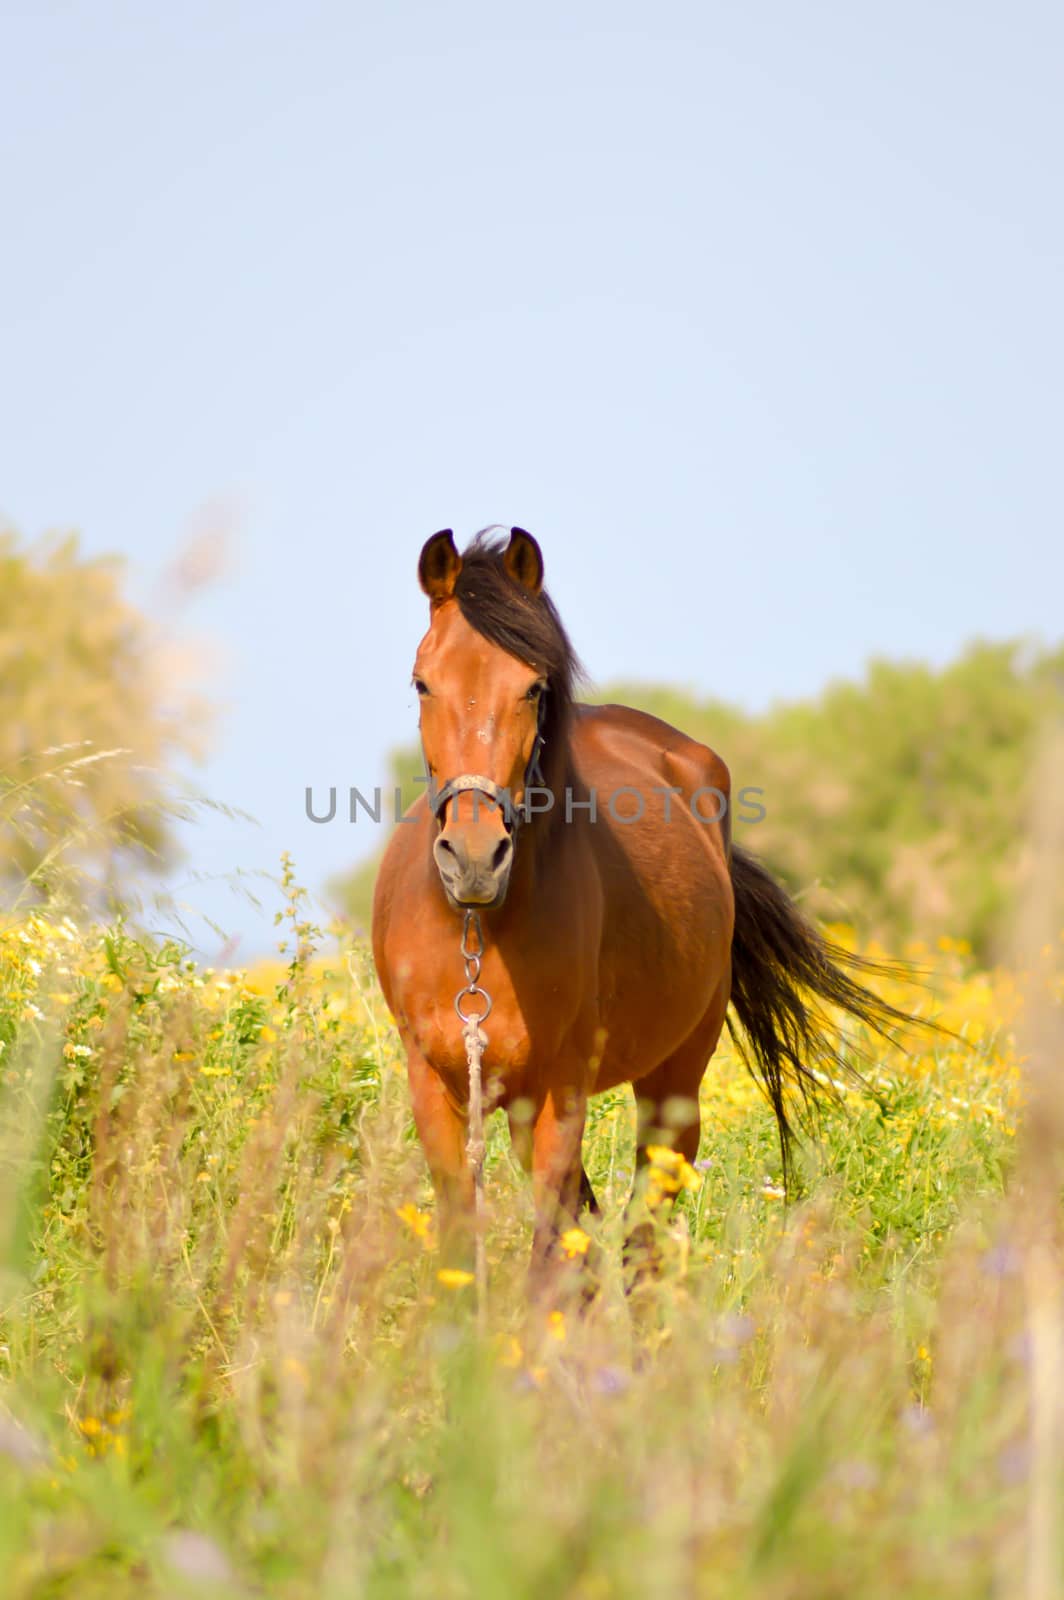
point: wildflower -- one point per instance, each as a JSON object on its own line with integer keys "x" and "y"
{"x": 1001, "y": 1261}
{"x": 609, "y": 1380}
{"x": 556, "y": 1326}
{"x": 669, "y": 1173}
{"x": 575, "y": 1242}
{"x": 419, "y": 1222}
{"x": 454, "y": 1277}
{"x": 267, "y": 1033}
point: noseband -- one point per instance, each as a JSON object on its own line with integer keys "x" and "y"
{"x": 473, "y": 782}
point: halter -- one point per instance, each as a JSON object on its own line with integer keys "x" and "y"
{"x": 467, "y": 782}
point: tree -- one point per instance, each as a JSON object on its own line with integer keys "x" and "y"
{"x": 91, "y": 720}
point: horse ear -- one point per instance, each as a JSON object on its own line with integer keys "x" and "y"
{"x": 523, "y": 560}
{"x": 439, "y": 565}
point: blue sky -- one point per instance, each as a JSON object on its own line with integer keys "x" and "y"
{"x": 750, "y": 313}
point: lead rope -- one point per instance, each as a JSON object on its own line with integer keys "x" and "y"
{"x": 476, "y": 1041}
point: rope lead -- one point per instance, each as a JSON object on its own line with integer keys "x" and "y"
{"x": 476, "y": 1041}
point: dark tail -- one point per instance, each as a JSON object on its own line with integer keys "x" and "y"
{"x": 784, "y": 972}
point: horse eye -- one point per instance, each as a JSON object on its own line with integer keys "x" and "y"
{"x": 535, "y": 691}
{"x": 421, "y": 686}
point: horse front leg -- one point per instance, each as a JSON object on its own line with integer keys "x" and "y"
{"x": 560, "y": 1187}
{"x": 442, "y": 1128}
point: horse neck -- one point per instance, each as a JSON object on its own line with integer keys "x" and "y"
{"x": 541, "y": 834}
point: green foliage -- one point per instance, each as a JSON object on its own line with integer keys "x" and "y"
{"x": 898, "y": 804}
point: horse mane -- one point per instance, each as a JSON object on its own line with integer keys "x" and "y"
{"x": 527, "y": 626}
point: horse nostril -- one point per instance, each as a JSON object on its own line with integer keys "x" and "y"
{"x": 445, "y": 853}
{"x": 503, "y": 852}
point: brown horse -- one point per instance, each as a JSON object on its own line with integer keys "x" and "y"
{"x": 619, "y": 919}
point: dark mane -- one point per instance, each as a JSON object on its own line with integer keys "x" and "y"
{"x": 527, "y": 626}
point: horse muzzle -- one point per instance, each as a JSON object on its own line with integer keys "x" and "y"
{"x": 474, "y": 863}
{"x": 473, "y": 874}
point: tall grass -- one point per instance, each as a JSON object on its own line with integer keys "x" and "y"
{"x": 229, "y": 1364}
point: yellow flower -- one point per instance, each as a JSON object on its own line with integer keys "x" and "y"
{"x": 556, "y": 1326}
{"x": 453, "y": 1277}
{"x": 267, "y": 1033}
{"x": 419, "y": 1222}
{"x": 575, "y": 1242}
{"x": 669, "y": 1173}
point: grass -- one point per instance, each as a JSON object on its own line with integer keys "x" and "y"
{"x": 229, "y": 1366}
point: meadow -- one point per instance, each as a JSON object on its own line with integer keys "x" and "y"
{"x": 231, "y": 1362}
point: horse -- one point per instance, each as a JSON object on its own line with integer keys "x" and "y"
{"x": 622, "y": 925}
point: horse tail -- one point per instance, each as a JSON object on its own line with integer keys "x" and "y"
{"x": 784, "y": 974}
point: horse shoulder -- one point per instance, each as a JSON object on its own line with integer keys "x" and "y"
{"x": 398, "y": 889}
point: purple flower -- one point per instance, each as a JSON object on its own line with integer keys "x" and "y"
{"x": 610, "y": 1380}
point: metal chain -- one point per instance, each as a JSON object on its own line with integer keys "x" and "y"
{"x": 476, "y": 1041}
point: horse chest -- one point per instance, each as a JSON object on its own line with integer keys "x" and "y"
{"x": 427, "y": 1014}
